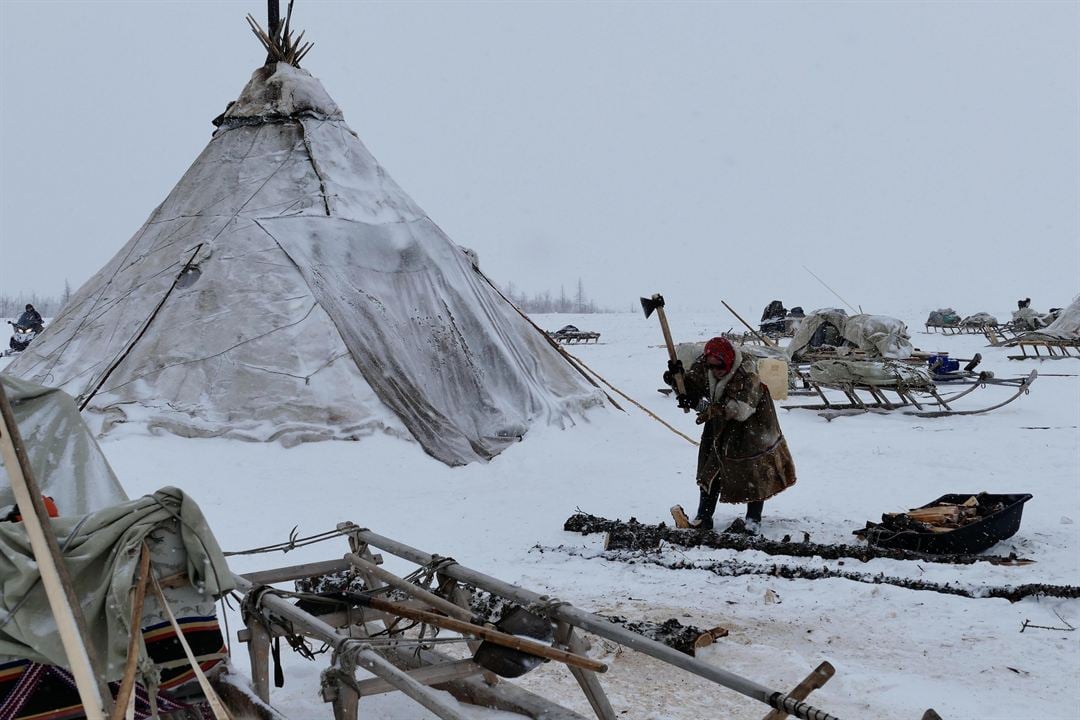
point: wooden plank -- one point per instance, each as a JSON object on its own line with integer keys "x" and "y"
{"x": 428, "y": 675}
{"x": 295, "y": 572}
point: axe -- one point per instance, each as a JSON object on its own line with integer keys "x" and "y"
{"x": 656, "y": 302}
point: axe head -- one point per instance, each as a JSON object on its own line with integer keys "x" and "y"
{"x": 650, "y": 304}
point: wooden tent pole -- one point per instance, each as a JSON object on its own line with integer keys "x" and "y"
{"x": 91, "y": 684}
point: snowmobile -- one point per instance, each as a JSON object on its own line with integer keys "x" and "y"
{"x": 20, "y": 337}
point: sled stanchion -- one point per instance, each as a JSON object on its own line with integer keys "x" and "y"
{"x": 590, "y": 684}
{"x": 259, "y": 655}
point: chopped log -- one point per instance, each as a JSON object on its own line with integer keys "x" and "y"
{"x": 937, "y": 515}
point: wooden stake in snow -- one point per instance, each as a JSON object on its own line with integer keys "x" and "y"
{"x": 90, "y": 682}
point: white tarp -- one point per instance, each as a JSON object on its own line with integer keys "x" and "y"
{"x": 288, "y": 289}
{"x": 979, "y": 319}
{"x": 871, "y": 372}
{"x": 810, "y": 324}
{"x": 876, "y": 335}
{"x": 879, "y": 335}
{"x": 64, "y": 457}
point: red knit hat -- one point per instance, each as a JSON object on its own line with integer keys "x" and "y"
{"x": 720, "y": 351}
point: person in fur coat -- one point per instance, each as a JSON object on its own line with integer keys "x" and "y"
{"x": 743, "y": 457}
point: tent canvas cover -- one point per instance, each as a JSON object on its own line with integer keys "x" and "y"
{"x": 288, "y": 289}
{"x": 66, "y": 461}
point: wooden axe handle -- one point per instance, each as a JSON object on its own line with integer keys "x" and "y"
{"x": 680, "y": 384}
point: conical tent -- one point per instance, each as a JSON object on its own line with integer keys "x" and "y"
{"x": 288, "y": 289}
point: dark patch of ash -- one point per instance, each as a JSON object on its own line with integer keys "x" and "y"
{"x": 669, "y": 632}
{"x": 339, "y": 582}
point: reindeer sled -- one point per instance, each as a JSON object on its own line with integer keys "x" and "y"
{"x": 947, "y": 322}
{"x": 570, "y": 335}
{"x": 854, "y": 387}
{"x": 866, "y": 363}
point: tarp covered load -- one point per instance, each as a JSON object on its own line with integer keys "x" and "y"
{"x": 879, "y": 335}
{"x": 875, "y": 335}
{"x": 1027, "y": 319}
{"x": 66, "y": 461}
{"x": 1066, "y": 327}
{"x": 943, "y": 317}
{"x": 821, "y": 327}
{"x": 870, "y": 372}
{"x": 980, "y": 319}
{"x": 288, "y": 289}
{"x": 101, "y": 552}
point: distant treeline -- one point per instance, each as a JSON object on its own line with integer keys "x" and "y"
{"x": 11, "y": 306}
{"x": 548, "y": 302}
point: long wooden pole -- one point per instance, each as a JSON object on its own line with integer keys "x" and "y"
{"x": 91, "y": 684}
{"x": 768, "y": 341}
{"x": 494, "y": 636}
{"x": 439, "y": 603}
{"x": 127, "y": 684}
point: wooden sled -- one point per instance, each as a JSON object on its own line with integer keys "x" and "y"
{"x": 968, "y": 329}
{"x": 383, "y": 623}
{"x": 922, "y": 401}
{"x": 1051, "y": 349}
{"x": 570, "y": 335}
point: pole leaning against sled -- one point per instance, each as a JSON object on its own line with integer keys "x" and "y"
{"x": 91, "y": 684}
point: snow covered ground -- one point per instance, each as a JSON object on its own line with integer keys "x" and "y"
{"x": 896, "y": 651}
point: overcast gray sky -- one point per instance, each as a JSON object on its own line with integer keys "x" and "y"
{"x": 910, "y": 154}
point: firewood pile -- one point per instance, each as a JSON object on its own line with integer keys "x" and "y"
{"x": 940, "y": 518}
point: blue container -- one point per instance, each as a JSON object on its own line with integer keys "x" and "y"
{"x": 940, "y": 364}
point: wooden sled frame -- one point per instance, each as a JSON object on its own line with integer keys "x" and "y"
{"x": 573, "y": 338}
{"x": 926, "y": 401}
{"x": 961, "y": 329}
{"x": 1055, "y": 349}
{"x": 361, "y": 637}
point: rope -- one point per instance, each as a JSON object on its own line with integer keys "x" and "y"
{"x": 292, "y": 543}
{"x": 641, "y": 407}
{"x": 545, "y": 606}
